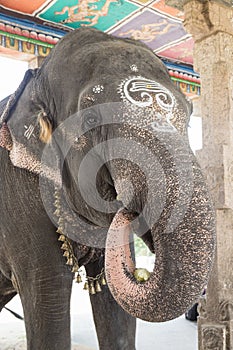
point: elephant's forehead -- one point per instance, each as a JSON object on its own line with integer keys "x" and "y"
{"x": 140, "y": 101}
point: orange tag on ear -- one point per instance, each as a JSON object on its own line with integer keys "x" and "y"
{"x": 5, "y": 137}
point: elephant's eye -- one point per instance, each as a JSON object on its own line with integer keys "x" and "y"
{"x": 91, "y": 119}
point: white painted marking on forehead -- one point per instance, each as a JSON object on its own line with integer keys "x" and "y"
{"x": 148, "y": 90}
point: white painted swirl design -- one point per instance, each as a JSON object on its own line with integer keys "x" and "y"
{"x": 148, "y": 88}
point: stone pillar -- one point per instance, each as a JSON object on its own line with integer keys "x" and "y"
{"x": 196, "y": 125}
{"x": 211, "y": 25}
{"x": 36, "y": 62}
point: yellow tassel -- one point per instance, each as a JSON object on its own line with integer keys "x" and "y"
{"x": 45, "y": 128}
{"x": 97, "y": 287}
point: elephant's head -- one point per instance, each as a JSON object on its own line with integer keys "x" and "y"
{"x": 109, "y": 109}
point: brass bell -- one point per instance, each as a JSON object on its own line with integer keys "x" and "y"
{"x": 61, "y": 221}
{"x": 86, "y": 286}
{"x": 97, "y": 287}
{"x": 57, "y": 212}
{"x": 66, "y": 254}
{"x": 62, "y": 238}
{"x": 56, "y": 194}
{"x": 69, "y": 261}
{"x": 92, "y": 289}
{"x": 75, "y": 268}
{"x": 59, "y": 231}
{"x": 103, "y": 281}
{"x": 78, "y": 279}
{"x": 64, "y": 246}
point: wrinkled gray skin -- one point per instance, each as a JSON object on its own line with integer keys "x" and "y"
{"x": 31, "y": 262}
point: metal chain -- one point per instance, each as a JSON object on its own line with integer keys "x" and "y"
{"x": 92, "y": 284}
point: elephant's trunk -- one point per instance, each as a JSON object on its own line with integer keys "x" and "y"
{"x": 183, "y": 259}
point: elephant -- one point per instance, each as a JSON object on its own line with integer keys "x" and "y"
{"x": 94, "y": 149}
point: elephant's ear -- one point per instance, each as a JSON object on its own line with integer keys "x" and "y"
{"x": 26, "y": 124}
{"x": 5, "y": 137}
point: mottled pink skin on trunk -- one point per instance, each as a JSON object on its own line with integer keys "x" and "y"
{"x": 179, "y": 273}
{"x": 119, "y": 263}
{"x": 118, "y": 245}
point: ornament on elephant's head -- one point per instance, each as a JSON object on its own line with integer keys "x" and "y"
{"x": 29, "y": 131}
{"x": 145, "y": 93}
{"x": 134, "y": 68}
{"x": 98, "y": 89}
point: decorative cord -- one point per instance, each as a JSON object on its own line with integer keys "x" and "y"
{"x": 92, "y": 284}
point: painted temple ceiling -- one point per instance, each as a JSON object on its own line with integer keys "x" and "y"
{"x": 37, "y": 25}
{"x": 158, "y": 25}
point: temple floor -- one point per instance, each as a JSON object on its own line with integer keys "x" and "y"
{"x": 178, "y": 334}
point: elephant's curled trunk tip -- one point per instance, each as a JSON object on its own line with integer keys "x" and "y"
{"x": 170, "y": 289}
